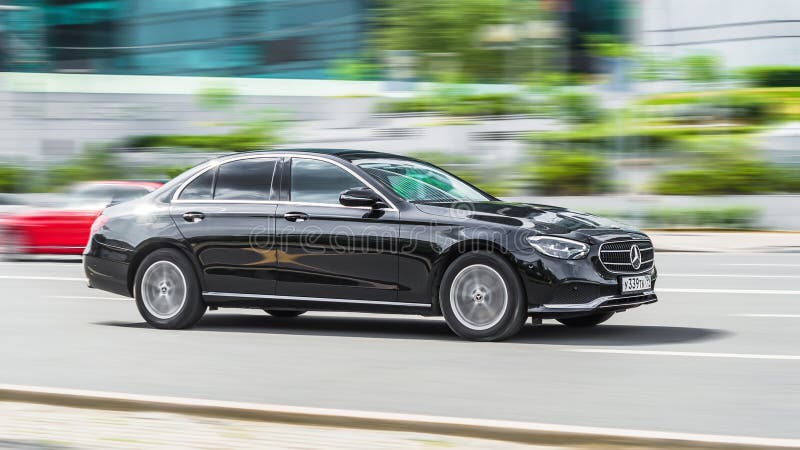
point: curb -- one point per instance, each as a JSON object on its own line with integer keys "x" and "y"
{"x": 522, "y": 432}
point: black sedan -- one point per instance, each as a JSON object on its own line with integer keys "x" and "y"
{"x": 349, "y": 230}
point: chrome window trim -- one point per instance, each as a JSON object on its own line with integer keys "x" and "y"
{"x": 216, "y": 163}
{"x": 314, "y": 299}
{"x": 266, "y": 202}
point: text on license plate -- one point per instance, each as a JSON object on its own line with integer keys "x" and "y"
{"x": 634, "y": 284}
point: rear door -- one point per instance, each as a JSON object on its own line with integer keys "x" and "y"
{"x": 227, "y": 214}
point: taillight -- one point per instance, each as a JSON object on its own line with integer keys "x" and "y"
{"x": 98, "y": 224}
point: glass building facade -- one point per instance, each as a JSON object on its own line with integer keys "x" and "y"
{"x": 242, "y": 38}
{"x": 250, "y": 38}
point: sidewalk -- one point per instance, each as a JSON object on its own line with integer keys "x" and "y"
{"x": 42, "y": 427}
{"x": 725, "y": 241}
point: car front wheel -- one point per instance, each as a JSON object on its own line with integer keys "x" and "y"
{"x": 586, "y": 321}
{"x": 482, "y": 298}
{"x": 167, "y": 291}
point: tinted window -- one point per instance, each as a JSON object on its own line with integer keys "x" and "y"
{"x": 319, "y": 181}
{"x": 200, "y": 188}
{"x": 246, "y": 179}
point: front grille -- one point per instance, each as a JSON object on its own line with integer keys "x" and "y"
{"x": 579, "y": 293}
{"x": 616, "y": 256}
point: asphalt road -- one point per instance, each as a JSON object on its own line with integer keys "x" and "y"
{"x": 719, "y": 353}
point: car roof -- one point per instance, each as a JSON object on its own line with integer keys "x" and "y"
{"x": 346, "y": 154}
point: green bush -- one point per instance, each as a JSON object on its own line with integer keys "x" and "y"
{"x": 569, "y": 173}
{"x": 259, "y": 132}
{"x": 12, "y": 179}
{"x": 172, "y": 172}
{"x": 577, "y": 107}
{"x": 606, "y": 134}
{"x": 95, "y": 163}
{"x": 721, "y": 177}
{"x": 739, "y": 217}
{"x": 497, "y": 104}
{"x": 773, "y": 76}
{"x": 235, "y": 142}
{"x": 701, "y": 68}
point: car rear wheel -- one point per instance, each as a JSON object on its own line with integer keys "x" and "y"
{"x": 482, "y": 298}
{"x": 283, "y": 313}
{"x": 167, "y": 291}
{"x": 586, "y": 321}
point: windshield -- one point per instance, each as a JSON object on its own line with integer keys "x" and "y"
{"x": 417, "y": 182}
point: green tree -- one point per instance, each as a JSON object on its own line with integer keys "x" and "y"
{"x": 447, "y": 27}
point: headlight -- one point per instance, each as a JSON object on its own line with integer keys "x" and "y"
{"x": 559, "y": 247}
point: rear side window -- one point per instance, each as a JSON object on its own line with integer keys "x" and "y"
{"x": 316, "y": 181}
{"x": 200, "y": 188}
{"x": 246, "y": 179}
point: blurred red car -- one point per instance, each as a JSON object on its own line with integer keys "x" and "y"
{"x": 63, "y": 229}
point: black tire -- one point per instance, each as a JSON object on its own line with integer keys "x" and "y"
{"x": 586, "y": 321}
{"x": 283, "y": 313}
{"x": 500, "y": 322}
{"x": 190, "y": 310}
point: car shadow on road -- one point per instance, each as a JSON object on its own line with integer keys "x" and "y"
{"x": 410, "y": 328}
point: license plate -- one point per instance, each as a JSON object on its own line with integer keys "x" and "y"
{"x": 636, "y": 284}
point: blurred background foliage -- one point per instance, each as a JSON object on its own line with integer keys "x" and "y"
{"x": 588, "y": 111}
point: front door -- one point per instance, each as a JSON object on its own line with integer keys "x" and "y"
{"x": 228, "y": 217}
{"x": 329, "y": 251}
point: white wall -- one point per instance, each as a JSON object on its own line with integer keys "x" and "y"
{"x": 742, "y": 32}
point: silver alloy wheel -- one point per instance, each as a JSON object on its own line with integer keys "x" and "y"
{"x": 163, "y": 289}
{"x": 479, "y": 297}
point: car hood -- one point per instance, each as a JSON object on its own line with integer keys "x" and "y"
{"x": 540, "y": 219}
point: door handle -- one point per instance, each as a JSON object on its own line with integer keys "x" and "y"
{"x": 193, "y": 217}
{"x": 296, "y": 216}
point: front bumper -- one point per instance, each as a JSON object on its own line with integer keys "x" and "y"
{"x": 568, "y": 288}
{"x": 605, "y": 304}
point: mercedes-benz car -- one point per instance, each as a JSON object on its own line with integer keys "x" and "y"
{"x": 348, "y": 230}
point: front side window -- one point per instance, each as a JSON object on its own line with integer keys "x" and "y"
{"x": 245, "y": 179}
{"x": 417, "y": 182}
{"x": 315, "y": 181}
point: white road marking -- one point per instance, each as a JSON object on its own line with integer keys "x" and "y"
{"x": 760, "y": 264}
{"x": 729, "y": 291}
{"x": 788, "y": 316}
{"x": 305, "y": 414}
{"x": 29, "y": 277}
{"x": 86, "y": 297}
{"x": 689, "y": 354}
{"x": 723, "y": 275}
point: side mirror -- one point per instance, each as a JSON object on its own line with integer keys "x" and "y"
{"x": 361, "y": 197}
